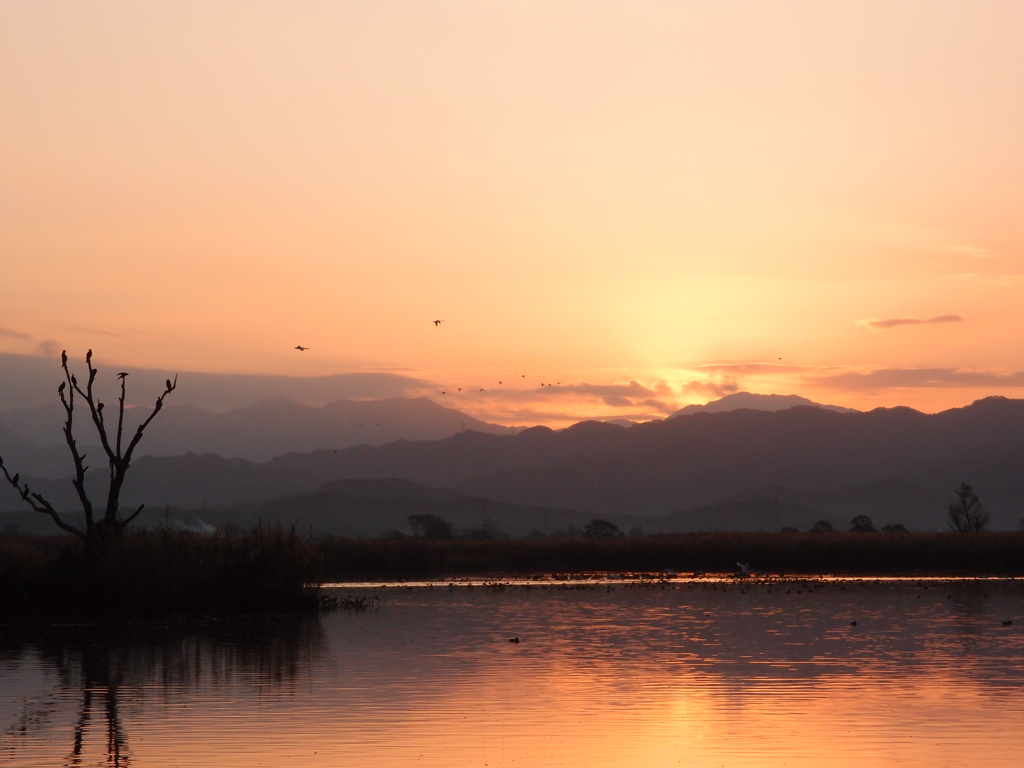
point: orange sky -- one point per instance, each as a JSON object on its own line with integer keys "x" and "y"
{"x": 591, "y": 193}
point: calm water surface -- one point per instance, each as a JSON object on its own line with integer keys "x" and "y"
{"x": 724, "y": 674}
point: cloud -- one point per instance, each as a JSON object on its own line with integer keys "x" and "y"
{"x": 48, "y": 347}
{"x": 632, "y": 389}
{"x": 659, "y": 405}
{"x": 10, "y": 333}
{"x": 912, "y": 378}
{"x": 893, "y": 322}
{"x": 617, "y": 401}
{"x": 711, "y": 388}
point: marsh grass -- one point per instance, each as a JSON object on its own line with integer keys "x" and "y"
{"x": 998, "y": 553}
{"x": 160, "y": 572}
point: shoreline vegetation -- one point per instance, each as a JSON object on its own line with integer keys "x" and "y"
{"x": 272, "y": 569}
{"x": 159, "y": 572}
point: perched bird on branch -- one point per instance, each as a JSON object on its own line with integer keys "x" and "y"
{"x": 122, "y": 374}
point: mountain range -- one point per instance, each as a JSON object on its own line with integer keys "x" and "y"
{"x": 897, "y": 465}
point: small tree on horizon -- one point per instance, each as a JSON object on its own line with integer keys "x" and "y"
{"x": 862, "y": 524}
{"x": 967, "y": 515}
{"x": 431, "y": 527}
{"x": 104, "y": 526}
{"x": 601, "y": 529}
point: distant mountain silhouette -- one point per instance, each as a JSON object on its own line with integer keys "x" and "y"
{"x": 258, "y": 432}
{"x": 28, "y": 458}
{"x": 897, "y": 465}
{"x": 755, "y": 402}
{"x": 752, "y": 515}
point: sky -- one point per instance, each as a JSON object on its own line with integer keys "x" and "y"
{"x": 646, "y": 204}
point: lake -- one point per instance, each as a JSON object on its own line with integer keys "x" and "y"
{"x": 689, "y": 673}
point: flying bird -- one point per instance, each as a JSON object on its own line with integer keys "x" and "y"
{"x": 437, "y": 323}
{"x": 481, "y": 389}
{"x": 301, "y": 348}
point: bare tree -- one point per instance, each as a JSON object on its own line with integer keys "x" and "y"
{"x": 108, "y": 524}
{"x": 967, "y": 515}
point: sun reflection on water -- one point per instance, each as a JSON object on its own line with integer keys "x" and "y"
{"x": 698, "y": 674}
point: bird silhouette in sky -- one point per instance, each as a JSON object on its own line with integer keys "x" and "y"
{"x": 460, "y": 389}
{"x": 523, "y": 375}
{"x": 301, "y": 348}
{"x": 499, "y": 382}
{"x": 437, "y": 323}
{"x": 122, "y": 374}
{"x": 481, "y": 389}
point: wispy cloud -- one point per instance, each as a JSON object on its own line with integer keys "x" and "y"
{"x": 10, "y": 333}
{"x": 996, "y": 280}
{"x": 894, "y": 322}
{"x": 95, "y": 331}
{"x": 912, "y": 378}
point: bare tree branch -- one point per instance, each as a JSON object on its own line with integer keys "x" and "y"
{"x": 80, "y": 469}
{"x": 120, "y": 412}
{"x": 97, "y": 414}
{"x": 170, "y": 387}
{"x": 38, "y": 503}
{"x": 132, "y": 516}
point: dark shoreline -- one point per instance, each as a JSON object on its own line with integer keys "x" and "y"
{"x": 796, "y": 554}
{"x": 162, "y": 573}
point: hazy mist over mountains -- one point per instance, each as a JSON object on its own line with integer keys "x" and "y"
{"x": 258, "y": 432}
{"x": 28, "y": 381}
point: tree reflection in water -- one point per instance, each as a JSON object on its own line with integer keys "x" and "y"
{"x": 102, "y": 660}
